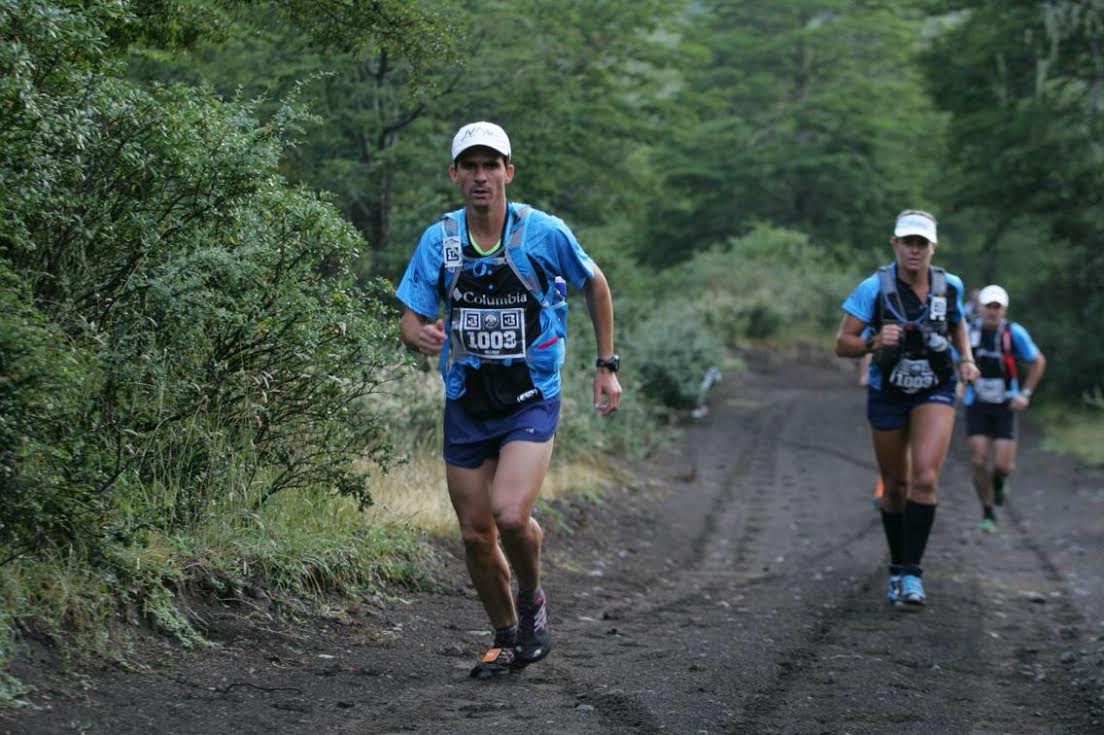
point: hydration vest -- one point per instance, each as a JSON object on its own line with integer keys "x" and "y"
{"x": 996, "y": 362}
{"x": 922, "y": 358}
{"x": 545, "y": 353}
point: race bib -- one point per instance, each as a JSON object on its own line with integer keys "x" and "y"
{"x": 911, "y": 376}
{"x": 492, "y": 334}
{"x": 938, "y": 309}
{"x": 990, "y": 390}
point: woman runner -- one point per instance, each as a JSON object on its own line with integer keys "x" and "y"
{"x": 913, "y": 311}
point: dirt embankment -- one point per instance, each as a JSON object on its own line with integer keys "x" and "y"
{"x": 735, "y": 587}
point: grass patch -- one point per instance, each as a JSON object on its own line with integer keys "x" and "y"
{"x": 1077, "y": 431}
{"x": 415, "y": 494}
{"x": 299, "y": 546}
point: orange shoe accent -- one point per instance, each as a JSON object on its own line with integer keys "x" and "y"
{"x": 879, "y": 488}
{"x": 491, "y": 655}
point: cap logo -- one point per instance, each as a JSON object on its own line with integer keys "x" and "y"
{"x": 481, "y": 133}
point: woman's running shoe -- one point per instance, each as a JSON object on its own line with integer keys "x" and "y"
{"x": 534, "y": 635}
{"x": 893, "y": 592}
{"x": 912, "y": 591}
{"x": 986, "y": 525}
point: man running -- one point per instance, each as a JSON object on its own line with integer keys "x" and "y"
{"x": 500, "y": 270}
{"x": 993, "y": 401}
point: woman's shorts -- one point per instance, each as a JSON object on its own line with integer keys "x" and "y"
{"x": 470, "y": 441}
{"x": 888, "y": 410}
{"x": 995, "y": 420}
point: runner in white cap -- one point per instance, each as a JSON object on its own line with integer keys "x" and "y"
{"x": 499, "y": 270}
{"x": 907, "y": 315}
{"x": 995, "y": 398}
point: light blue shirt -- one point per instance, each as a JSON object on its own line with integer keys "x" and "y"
{"x": 549, "y": 243}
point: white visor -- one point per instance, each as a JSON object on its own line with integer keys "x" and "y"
{"x": 915, "y": 224}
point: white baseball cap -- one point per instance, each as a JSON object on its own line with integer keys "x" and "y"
{"x": 993, "y": 294}
{"x": 480, "y": 133}
{"x": 913, "y": 223}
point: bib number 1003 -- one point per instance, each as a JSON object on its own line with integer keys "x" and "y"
{"x": 479, "y": 341}
{"x": 494, "y": 334}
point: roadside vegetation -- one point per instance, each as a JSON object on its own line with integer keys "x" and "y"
{"x": 205, "y": 204}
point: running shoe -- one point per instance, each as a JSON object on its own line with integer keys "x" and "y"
{"x": 912, "y": 591}
{"x": 893, "y": 592}
{"x": 497, "y": 660}
{"x": 534, "y": 635}
{"x": 987, "y": 525}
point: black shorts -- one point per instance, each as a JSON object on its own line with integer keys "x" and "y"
{"x": 994, "y": 420}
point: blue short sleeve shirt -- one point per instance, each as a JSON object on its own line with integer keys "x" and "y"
{"x": 549, "y": 242}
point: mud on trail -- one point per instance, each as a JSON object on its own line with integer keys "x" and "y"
{"x": 737, "y": 587}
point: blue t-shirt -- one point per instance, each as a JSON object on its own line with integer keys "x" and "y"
{"x": 861, "y": 303}
{"x": 549, "y": 243}
{"x": 1023, "y": 348}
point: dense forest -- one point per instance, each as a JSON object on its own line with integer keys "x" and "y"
{"x": 203, "y": 205}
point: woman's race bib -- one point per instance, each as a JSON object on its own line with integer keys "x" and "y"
{"x": 911, "y": 376}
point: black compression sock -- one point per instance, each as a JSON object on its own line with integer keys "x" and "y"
{"x": 918, "y": 524}
{"x": 998, "y": 482}
{"x": 894, "y": 525}
{"x": 990, "y": 513}
{"x": 526, "y": 597}
{"x": 505, "y": 637}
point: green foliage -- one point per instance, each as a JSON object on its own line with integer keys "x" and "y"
{"x": 1022, "y": 84}
{"x": 769, "y": 283}
{"x": 576, "y": 96}
{"x": 638, "y": 426}
{"x": 48, "y": 490}
{"x": 806, "y": 114}
{"x": 202, "y": 327}
{"x": 672, "y": 352}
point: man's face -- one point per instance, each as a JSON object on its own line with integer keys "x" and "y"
{"x": 482, "y": 174}
{"x": 991, "y": 314}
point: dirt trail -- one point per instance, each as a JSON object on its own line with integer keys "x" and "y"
{"x": 737, "y": 589}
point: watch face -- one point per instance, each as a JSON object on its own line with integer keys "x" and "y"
{"x": 610, "y": 363}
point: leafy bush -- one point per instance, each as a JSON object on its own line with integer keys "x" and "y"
{"x": 769, "y": 283}
{"x": 46, "y": 486}
{"x": 671, "y": 351}
{"x": 192, "y": 319}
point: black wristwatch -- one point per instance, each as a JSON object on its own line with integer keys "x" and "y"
{"x": 610, "y": 363}
{"x": 870, "y": 343}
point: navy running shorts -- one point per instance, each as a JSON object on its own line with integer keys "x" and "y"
{"x": 888, "y": 410}
{"x": 470, "y": 441}
{"x": 994, "y": 420}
